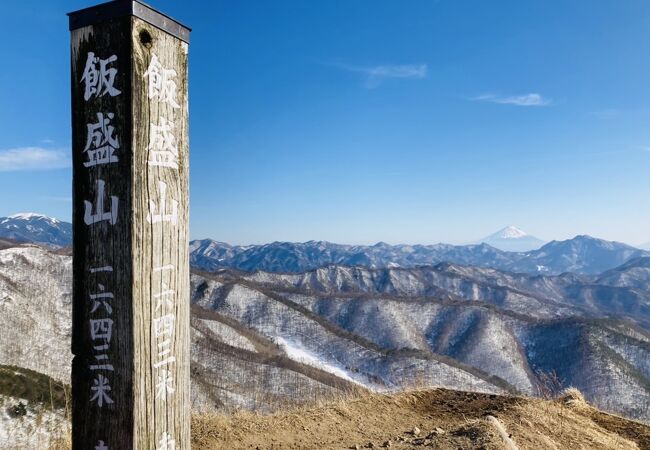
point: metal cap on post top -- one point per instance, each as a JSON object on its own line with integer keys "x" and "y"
{"x": 120, "y": 8}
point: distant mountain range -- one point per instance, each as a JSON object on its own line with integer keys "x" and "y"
{"x": 32, "y": 227}
{"x": 512, "y": 239}
{"x": 581, "y": 255}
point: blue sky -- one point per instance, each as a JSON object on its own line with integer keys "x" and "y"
{"x": 357, "y": 121}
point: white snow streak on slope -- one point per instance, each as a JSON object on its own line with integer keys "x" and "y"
{"x": 300, "y": 354}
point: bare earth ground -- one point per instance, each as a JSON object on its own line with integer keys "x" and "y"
{"x": 440, "y": 419}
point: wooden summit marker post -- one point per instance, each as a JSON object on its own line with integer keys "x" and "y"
{"x": 130, "y": 336}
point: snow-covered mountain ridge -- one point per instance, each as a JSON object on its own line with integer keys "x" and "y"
{"x": 38, "y": 228}
{"x": 262, "y": 340}
{"x": 582, "y": 254}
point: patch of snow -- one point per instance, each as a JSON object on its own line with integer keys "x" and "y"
{"x": 511, "y": 232}
{"x": 36, "y": 429}
{"x": 28, "y": 216}
{"x": 298, "y": 353}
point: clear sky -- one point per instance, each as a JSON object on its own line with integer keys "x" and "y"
{"x": 356, "y": 121}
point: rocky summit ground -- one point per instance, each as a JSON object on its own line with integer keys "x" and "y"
{"x": 440, "y": 419}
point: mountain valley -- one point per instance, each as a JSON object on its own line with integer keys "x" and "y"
{"x": 263, "y": 340}
{"x": 284, "y": 325}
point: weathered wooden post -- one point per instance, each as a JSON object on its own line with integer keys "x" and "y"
{"x": 130, "y": 336}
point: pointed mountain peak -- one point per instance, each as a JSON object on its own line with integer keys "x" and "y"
{"x": 510, "y": 232}
{"x": 512, "y": 239}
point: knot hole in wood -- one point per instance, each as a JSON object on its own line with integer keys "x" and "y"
{"x": 145, "y": 38}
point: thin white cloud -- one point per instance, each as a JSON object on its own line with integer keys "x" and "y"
{"x": 532, "y": 99}
{"x": 32, "y": 158}
{"x": 376, "y": 75}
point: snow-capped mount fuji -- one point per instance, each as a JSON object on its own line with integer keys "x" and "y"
{"x": 38, "y": 228}
{"x": 512, "y": 239}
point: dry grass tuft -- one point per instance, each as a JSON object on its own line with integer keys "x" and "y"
{"x": 61, "y": 443}
{"x": 572, "y": 397}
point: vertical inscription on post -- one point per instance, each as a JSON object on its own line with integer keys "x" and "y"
{"x": 161, "y": 210}
{"x": 130, "y": 376}
{"x": 102, "y": 341}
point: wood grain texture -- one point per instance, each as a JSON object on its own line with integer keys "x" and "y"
{"x": 102, "y": 244}
{"x": 160, "y": 244}
{"x": 133, "y": 246}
